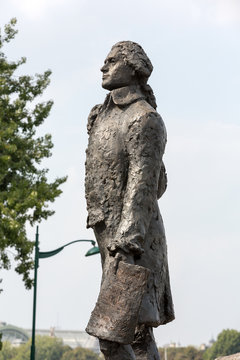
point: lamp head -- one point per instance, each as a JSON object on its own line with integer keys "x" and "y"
{"x": 93, "y": 251}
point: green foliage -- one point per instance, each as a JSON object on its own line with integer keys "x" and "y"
{"x": 228, "y": 343}
{"x": 24, "y": 189}
{"x": 7, "y": 352}
{"x": 47, "y": 348}
{"x": 80, "y": 354}
{"x": 181, "y": 353}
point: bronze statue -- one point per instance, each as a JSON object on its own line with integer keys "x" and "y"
{"x": 125, "y": 176}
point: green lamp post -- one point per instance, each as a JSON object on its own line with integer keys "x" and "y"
{"x": 42, "y": 255}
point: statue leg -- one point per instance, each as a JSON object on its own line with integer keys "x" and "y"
{"x": 144, "y": 345}
{"x": 114, "y": 351}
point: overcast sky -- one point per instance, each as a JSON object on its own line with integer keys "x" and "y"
{"x": 194, "y": 48}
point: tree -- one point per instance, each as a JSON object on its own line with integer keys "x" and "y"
{"x": 7, "y": 352}
{"x": 47, "y": 348}
{"x": 24, "y": 189}
{"x": 80, "y": 354}
{"x": 228, "y": 343}
{"x": 182, "y": 353}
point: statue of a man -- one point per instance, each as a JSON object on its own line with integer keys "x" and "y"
{"x": 125, "y": 176}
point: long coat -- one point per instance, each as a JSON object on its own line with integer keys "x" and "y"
{"x": 124, "y": 178}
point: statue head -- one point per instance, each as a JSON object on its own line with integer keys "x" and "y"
{"x": 126, "y": 64}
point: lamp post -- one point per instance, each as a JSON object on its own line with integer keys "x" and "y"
{"x": 42, "y": 255}
{"x": 165, "y": 353}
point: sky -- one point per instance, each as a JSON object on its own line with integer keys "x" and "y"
{"x": 194, "y": 48}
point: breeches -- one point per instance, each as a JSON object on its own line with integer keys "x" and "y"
{"x": 142, "y": 348}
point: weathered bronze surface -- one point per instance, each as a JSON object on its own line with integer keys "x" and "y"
{"x": 230, "y": 357}
{"x": 125, "y": 176}
{"x": 115, "y": 316}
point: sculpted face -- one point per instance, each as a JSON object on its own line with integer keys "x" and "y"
{"x": 116, "y": 73}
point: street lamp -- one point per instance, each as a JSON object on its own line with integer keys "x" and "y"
{"x": 42, "y": 255}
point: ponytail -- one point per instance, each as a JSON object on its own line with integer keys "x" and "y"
{"x": 148, "y": 92}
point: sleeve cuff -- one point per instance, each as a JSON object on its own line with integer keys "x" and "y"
{"x": 129, "y": 246}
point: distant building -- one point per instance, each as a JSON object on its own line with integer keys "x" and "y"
{"x": 72, "y": 338}
{"x": 211, "y": 342}
{"x": 206, "y": 346}
{"x": 13, "y": 334}
{"x": 172, "y": 345}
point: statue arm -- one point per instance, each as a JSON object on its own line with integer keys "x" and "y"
{"x": 92, "y": 117}
{"x": 145, "y": 143}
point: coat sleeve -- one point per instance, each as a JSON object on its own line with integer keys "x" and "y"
{"x": 92, "y": 117}
{"x": 145, "y": 143}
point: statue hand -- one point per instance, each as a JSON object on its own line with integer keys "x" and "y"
{"x": 122, "y": 256}
{"x": 126, "y": 248}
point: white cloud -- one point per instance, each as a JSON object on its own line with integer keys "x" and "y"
{"x": 36, "y": 8}
{"x": 199, "y": 12}
{"x": 227, "y": 12}
{"x": 216, "y": 12}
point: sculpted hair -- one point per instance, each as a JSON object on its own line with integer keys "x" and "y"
{"x": 134, "y": 55}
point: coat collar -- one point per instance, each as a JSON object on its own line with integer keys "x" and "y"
{"x": 126, "y": 95}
